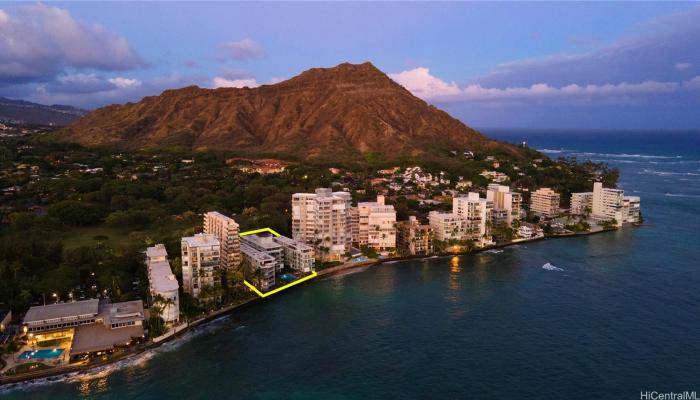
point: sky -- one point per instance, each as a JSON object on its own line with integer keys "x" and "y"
{"x": 583, "y": 65}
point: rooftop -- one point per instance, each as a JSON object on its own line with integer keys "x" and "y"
{"x": 262, "y": 241}
{"x": 97, "y": 337}
{"x": 162, "y": 277}
{"x": 255, "y": 254}
{"x": 156, "y": 251}
{"x": 121, "y": 312}
{"x": 201, "y": 239}
{"x": 62, "y": 310}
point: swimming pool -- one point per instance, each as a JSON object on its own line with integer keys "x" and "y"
{"x": 288, "y": 278}
{"x": 40, "y": 354}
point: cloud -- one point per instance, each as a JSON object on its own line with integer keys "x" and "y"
{"x": 243, "y": 49}
{"x": 39, "y": 42}
{"x": 90, "y": 90}
{"x": 642, "y": 56}
{"x": 235, "y": 83}
{"x": 421, "y": 83}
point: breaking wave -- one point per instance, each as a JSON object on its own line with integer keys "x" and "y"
{"x": 667, "y": 173}
{"x": 550, "y": 267}
{"x": 625, "y": 155}
{"x": 693, "y": 196}
{"x": 494, "y": 251}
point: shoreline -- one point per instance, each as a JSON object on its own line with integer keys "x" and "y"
{"x": 56, "y": 372}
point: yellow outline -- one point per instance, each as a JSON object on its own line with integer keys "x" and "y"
{"x": 258, "y": 231}
{"x": 261, "y": 294}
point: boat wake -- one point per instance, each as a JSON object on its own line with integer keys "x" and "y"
{"x": 550, "y": 267}
{"x": 494, "y": 251}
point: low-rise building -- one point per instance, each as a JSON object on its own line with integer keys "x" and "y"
{"x": 545, "y": 202}
{"x": 163, "y": 283}
{"x": 414, "y": 237}
{"x": 201, "y": 258}
{"x": 91, "y": 325}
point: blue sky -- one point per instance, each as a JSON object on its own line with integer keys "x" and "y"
{"x": 531, "y": 65}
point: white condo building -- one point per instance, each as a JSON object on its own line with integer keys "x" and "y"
{"x": 201, "y": 257}
{"x": 545, "y": 202}
{"x": 322, "y": 219}
{"x": 504, "y": 199}
{"x": 374, "y": 225}
{"x": 610, "y": 204}
{"x": 162, "y": 282}
{"x": 478, "y": 213}
{"x": 262, "y": 262}
{"x": 226, "y": 229}
{"x": 297, "y": 256}
{"x": 448, "y": 226}
{"x": 581, "y": 203}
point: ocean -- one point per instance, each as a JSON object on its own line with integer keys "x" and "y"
{"x": 605, "y": 316}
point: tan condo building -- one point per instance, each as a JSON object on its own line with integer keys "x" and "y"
{"x": 414, "y": 237}
{"x": 545, "y": 202}
{"x": 226, "y": 229}
{"x": 504, "y": 199}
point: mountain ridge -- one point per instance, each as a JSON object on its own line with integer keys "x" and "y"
{"x": 323, "y": 113}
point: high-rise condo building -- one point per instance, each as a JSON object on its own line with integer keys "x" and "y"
{"x": 448, "y": 226}
{"x": 226, "y": 230}
{"x": 610, "y": 204}
{"x": 162, "y": 282}
{"x": 478, "y": 214}
{"x": 581, "y": 203}
{"x": 322, "y": 219}
{"x": 374, "y": 225}
{"x": 201, "y": 258}
{"x": 504, "y": 199}
{"x": 545, "y": 202}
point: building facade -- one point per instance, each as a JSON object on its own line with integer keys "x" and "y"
{"x": 201, "y": 259}
{"x": 265, "y": 243}
{"x": 322, "y": 219}
{"x": 545, "y": 202}
{"x": 162, "y": 282}
{"x": 264, "y": 264}
{"x": 298, "y": 257}
{"x": 478, "y": 213}
{"x": 448, "y": 226}
{"x": 227, "y": 230}
{"x": 414, "y": 237}
{"x": 373, "y": 224}
{"x": 504, "y": 199}
{"x": 581, "y": 203}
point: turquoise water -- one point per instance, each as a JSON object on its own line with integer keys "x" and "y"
{"x": 619, "y": 314}
{"x": 41, "y": 354}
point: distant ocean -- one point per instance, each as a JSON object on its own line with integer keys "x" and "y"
{"x": 600, "y": 317}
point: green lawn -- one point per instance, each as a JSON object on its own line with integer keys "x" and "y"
{"x": 90, "y": 236}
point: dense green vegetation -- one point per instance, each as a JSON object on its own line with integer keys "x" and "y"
{"x": 78, "y": 220}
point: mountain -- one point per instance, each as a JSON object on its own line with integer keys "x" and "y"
{"x": 20, "y": 111}
{"x": 330, "y": 114}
